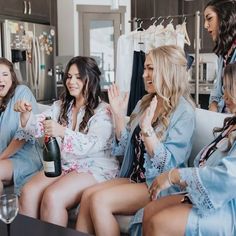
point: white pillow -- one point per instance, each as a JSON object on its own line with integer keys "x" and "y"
{"x": 206, "y": 121}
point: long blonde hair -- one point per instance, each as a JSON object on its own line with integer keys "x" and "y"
{"x": 229, "y": 81}
{"x": 170, "y": 82}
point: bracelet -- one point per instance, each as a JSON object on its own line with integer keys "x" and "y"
{"x": 169, "y": 177}
{"x": 148, "y": 132}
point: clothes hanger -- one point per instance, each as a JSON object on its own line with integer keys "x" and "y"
{"x": 170, "y": 26}
{"x": 186, "y": 40}
{"x": 140, "y": 25}
{"x": 140, "y": 29}
{"x": 152, "y": 27}
{"x": 160, "y": 25}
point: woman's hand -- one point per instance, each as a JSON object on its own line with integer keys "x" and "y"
{"x": 22, "y": 106}
{"x": 160, "y": 183}
{"x": 213, "y": 106}
{"x": 25, "y": 109}
{"x": 164, "y": 181}
{"x": 52, "y": 128}
{"x": 118, "y": 103}
{"x": 118, "y": 106}
{"x": 148, "y": 115}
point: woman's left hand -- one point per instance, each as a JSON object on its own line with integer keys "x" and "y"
{"x": 147, "y": 117}
{"x": 159, "y": 183}
{"x": 52, "y": 128}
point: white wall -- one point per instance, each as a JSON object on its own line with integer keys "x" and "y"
{"x": 68, "y": 21}
{"x": 65, "y": 21}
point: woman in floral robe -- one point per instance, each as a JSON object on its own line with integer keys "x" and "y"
{"x": 83, "y": 126}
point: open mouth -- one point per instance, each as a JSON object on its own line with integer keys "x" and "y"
{"x": 149, "y": 82}
{"x": 2, "y": 87}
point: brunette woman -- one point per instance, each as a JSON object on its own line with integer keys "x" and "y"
{"x": 83, "y": 126}
{"x": 220, "y": 22}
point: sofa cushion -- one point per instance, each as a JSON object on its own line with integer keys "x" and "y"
{"x": 206, "y": 121}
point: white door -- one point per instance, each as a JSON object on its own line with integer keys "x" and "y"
{"x": 100, "y": 33}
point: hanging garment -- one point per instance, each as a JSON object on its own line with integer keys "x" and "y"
{"x": 137, "y": 89}
{"x": 125, "y": 49}
{"x": 141, "y": 42}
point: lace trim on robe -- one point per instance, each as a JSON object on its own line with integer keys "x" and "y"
{"x": 196, "y": 191}
{"x": 159, "y": 159}
{"x": 22, "y": 134}
{"x": 118, "y": 148}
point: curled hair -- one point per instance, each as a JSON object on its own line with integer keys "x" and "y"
{"x": 229, "y": 82}
{"x": 170, "y": 82}
{"x": 228, "y": 121}
{"x": 226, "y": 12}
{"x": 90, "y": 76}
{"x": 15, "y": 82}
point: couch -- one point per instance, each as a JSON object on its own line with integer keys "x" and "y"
{"x": 205, "y": 122}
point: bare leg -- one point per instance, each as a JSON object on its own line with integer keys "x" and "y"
{"x": 32, "y": 193}
{"x": 160, "y": 213}
{"x": 6, "y": 172}
{"x": 84, "y": 221}
{"x": 161, "y": 203}
{"x": 123, "y": 199}
{"x": 63, "y": 195}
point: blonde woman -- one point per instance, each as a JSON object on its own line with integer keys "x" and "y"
{"x": 156, "y": 139}
{"x": 209, "y": 206}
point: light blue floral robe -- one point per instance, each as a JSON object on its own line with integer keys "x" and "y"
{"x": 28, "y": 159}
{"x": 172, "y": 152}
{"x": 212, "y": 190}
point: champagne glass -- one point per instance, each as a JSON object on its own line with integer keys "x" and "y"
{"x": 8, "y": 209}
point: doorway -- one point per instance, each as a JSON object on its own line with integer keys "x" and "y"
{"x": 99, "y": 30}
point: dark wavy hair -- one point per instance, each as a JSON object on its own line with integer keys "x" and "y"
{"x": 226, "y": 12}
{"x": 15, "y": 82}
{"x": 228, "y": 121}
{"x": 90, "y": 75}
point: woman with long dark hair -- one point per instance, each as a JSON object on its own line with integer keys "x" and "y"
{"x": 220, "y": 22}
{"x": 20, "y": 157}
{"x": 83, "y": 126}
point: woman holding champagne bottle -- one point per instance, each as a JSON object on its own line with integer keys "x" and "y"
{"x": 78, "y": 122}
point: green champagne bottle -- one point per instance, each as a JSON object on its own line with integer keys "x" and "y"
{"x": 51, "y": 156}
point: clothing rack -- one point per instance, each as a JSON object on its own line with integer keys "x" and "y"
{"x": 196, "y": 16}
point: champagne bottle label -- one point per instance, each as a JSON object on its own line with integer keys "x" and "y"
{"x": 49, "y": 166}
